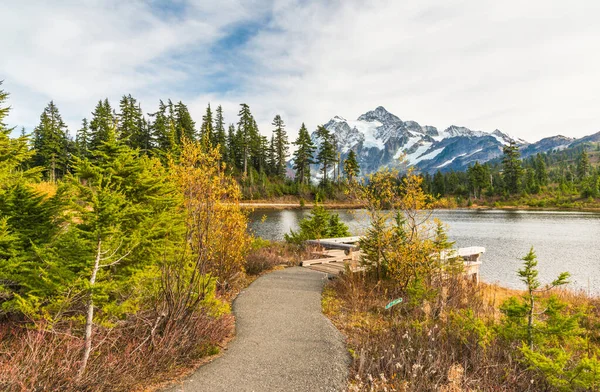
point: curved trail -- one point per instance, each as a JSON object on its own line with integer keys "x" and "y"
{"x": 283, "y": 342}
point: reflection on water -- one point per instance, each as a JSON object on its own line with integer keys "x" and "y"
{"x": 564, "y": 241}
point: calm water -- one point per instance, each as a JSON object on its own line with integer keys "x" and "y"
{"x": 564, "y": 241}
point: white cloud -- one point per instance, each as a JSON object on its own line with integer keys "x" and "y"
{"x": 528, "y": 68}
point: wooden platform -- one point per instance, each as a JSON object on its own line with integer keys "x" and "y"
{"x": 333, "y": 261}
{"x": 339, "y": 254}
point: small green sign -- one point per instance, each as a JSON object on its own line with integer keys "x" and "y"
{"x": 394, "y": 302}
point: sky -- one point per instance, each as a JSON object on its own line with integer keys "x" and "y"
{"x": 529, "y": 68}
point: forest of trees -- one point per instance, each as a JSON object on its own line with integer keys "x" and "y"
{"x": 259, "y": 163}
{"x": 555, "y": 178}
{"x": 118, "y": 249}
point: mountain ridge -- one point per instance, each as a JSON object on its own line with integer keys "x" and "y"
{"x": 380, "y": 138}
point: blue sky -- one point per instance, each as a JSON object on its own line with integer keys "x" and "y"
{"x": 531, "y": 69}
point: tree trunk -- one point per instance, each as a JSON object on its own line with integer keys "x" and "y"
{"x": 89, "y": 322}
{"x": 530, "y": 321}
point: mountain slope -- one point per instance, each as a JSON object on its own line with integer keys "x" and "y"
{"x": 381, "y": 139}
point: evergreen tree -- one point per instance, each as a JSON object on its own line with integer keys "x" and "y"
{"x": 583, "y": 165}
{"x": 272, "y": 157}
{"x": 512, "y": 168}
{"x": 51, "y": 143}
{"x": 233, "y": 147}
{"x": 14, "y": 153}
{"x": 129, "y": 121}
{"x": 207, "y": 136}
{"x": 303, "y": 156}
{"x": 479, "y": 178}
{"x": 327, "y": 154}
{"x": 439, "y": 184}
{"x": 541, "y": 174}
{"x": 163, "y": 130}
{"x": 281, "y": 145}
{"x": 102, "y": 122}
{"x": 220, "y": 134}
{"x": 351, "y": 167}
{"x": 82, "y": 140}
{"x": 246, "y": 132}
{"x": 184, "y": 125}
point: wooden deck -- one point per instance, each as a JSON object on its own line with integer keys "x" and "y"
{"x": 341, "y": 254}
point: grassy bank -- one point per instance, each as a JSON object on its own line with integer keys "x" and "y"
{"x": 456, "y": 340}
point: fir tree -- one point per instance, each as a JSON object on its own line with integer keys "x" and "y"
{"x": 246, "y": 132}
{"x": 583, "y": 165}
{"x": 207, "y": 136}
{"x": 220, "y": 134}
{"x": 272, "y": 157}
{"x": 51, "y": 143}
{"x": 281, "y": 146}
{"x": 351, "y": 167}
{"x": 327, "y": 154}
{"x": 541, "y": 174}
{"x": 439, "y": 184}
{"x": 512, "y": 168}
{"x": 14, "y": 153}
{"x": 82, "y": 140}
{"x": 303, "y": 156}
{"x": 102, "y": 122}
{"x": 129, "y": 121}
{"x": 233, "y": 147}
{"x": 184, "y": 124}
{"x": 163, "y": 130}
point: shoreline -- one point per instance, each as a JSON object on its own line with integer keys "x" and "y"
{"x": 266, "y": 205}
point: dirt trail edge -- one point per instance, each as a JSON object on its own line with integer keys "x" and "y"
{"x": 283, "y": 342}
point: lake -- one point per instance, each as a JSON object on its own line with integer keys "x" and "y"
{"x": 563, "y": 241}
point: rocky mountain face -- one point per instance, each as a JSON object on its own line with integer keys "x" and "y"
{"x": 381, "y": 139}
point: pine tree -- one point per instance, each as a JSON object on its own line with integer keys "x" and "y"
{"x": 15, "y": 154}
{"x": 124, "y": 207}
{"x": 327, "y": 154}
{"x": 220, "y": 134}
{"x": 129, "y": 121}
{"x": 439, "y": 184}
{"x": 233, "y": 148}
{"x": 541, "y": 174}
{"x": 351, "y": 167}
{"x": 281, "y": 145}
{"x": 272, "y": 157}
{"x": 479, "y": 178}
{"x": 512, "y": 168}
{"x": 184, "y": 124}
{"x": 303, "y": 156}
{"x": 162, "y": 130}
{"x": 51, "y": 143}
{"x": 102, "y": 122}
{"x": 207, "y": 136}
{"x": 583, "y": 165}
{"x": 82, "y": 140}
{"x": 246, "y": 132}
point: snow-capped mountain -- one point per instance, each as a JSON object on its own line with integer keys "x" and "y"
{"x": 382, "y": 139}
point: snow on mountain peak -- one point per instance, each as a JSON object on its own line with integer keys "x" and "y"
{"x": 379, "y": 114}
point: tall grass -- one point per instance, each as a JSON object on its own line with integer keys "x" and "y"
{"x": 446, "y": 342}
{"x": 126, "y": 357}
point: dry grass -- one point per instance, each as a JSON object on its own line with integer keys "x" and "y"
{"x": 266, "y": 256}
{"x": 445, "y": 343}
{"x": 125, "y": 357}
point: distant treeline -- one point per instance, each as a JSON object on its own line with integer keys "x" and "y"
{"x": 259, "y": 163}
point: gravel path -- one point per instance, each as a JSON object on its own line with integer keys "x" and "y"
{"x": 283, "y": 342}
